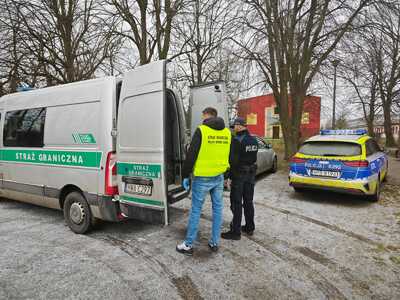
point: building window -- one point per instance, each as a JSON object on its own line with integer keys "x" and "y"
{"x": 275, "y": 132}
{"x": 24, "y": 128}
{"x": 305, "y": 118}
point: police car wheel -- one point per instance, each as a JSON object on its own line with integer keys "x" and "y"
{"x": 387, "y": 169}
{"x": 274, "y": 165}
{"x": 375, "y": 197}
{"x": 77, "y": 213}
{"x": 298, "y": 189}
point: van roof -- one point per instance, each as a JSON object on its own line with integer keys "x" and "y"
{"x": 75, "y": 92}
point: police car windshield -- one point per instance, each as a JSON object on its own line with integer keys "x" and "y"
{"x": 327, "y": 148}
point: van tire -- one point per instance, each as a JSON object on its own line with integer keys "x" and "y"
{"x": 77, "y": 213}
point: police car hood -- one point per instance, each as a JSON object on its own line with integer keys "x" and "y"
{"x": 216, "y": 123}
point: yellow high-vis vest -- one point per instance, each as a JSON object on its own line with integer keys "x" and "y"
{"x": 213, "y": 157}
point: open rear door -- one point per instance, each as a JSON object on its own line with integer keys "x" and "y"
{"x": 205, "y": 95}
{"x": 141, "y": 144}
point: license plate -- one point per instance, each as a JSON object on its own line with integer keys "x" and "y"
{"x": 138, "y": 189}
{"x": 323, "y": 173}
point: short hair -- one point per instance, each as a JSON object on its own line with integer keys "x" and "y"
{"x": 210, "y": 111}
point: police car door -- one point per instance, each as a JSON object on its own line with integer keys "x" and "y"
{"x": 141, "y": 143}
{"x": 376, "y": 158}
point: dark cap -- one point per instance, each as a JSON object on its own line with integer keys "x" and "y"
{"x": 239, "y": 121}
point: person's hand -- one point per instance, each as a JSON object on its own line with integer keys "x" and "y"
{"x": 186, "y": 183}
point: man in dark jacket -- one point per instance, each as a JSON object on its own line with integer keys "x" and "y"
{"x": 242, "y": 160}
{"x": 208, "y": 160}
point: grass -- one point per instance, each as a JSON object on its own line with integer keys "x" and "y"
{"x": 381, "y": 248}
{"x": 395, "y": 259}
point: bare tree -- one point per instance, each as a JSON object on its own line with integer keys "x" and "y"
{"x": 359, "y": 70}
{"x": 68, "y": 40}
{"x": 147, "y": 24}
{"x": 387, "y": 58}
{"x": 290, "y": 40}
{"x": 201, "y": 32}
{"x": 11, "y": 54}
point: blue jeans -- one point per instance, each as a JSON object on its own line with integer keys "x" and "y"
{"x": 200, "y": 187}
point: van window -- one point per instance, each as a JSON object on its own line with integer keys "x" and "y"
{"x": 73, "y": 125}
{"x": 24, "y": 128}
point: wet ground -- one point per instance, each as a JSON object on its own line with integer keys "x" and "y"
{"x": 306, "y": 246}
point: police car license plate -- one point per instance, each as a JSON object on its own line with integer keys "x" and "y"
{"x": 323, "y": 173}
{"x": 138, "y": 189}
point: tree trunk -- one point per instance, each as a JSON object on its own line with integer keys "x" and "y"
{"x": 387, "y": 124}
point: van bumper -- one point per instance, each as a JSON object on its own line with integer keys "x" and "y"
{"x": 107, "y": 209}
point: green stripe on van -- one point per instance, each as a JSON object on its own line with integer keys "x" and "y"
{"x": 90, "y": 159}
{"x": 139, "y": 170}
{"x": 141, "y": 201}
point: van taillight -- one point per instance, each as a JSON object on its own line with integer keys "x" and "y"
{"x": 296, "y": 160}
{"x": 111, "y": 183}
{"x": 357, "y": 163}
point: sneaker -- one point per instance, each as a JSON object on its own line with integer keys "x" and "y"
{"x": 230, "y": 235}
{"x": 248, "y": 232}
{"x": 184, "y": 249}
{"x": 213, "y": 248}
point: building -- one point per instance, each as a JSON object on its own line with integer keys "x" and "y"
{"x": 379, "y": 130}
{"x": 262, "y": 116}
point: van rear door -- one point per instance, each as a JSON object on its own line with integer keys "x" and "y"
{"x": 141, "y": 162}
{"x": 205, "y": 95}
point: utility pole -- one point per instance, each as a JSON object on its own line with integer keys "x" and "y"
{"x": 335, "y": 63}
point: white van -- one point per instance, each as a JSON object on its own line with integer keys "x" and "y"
{"x": 98, "y": 149}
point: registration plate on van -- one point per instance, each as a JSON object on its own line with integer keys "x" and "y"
{"x": 138, "y": 189}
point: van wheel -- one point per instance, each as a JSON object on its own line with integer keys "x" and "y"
{"x": 375, "y": 197}
{"x": 77, "y": 213}
{"x": 274, "y": 165}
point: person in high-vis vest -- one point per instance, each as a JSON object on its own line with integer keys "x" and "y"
{"x": 207, "y": 160}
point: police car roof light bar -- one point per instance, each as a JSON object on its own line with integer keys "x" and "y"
{"x": 343, "y": 132}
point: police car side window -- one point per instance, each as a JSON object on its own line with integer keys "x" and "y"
{"x": 375, "y": 146}
{"x": 371, "y": 147}
{"x": 24, "y": 128}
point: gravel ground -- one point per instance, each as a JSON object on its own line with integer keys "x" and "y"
{"x": 306, "y": 246}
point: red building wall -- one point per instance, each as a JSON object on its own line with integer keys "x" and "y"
{"x": 258, "y": 105}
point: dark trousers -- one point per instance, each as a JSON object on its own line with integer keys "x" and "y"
{"x": 242, "y": 192}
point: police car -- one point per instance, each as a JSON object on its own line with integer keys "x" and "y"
{"x": 347, "y": 161}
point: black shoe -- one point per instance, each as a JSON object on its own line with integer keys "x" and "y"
{"x": 184, "y": 249}
{"x": 246, "y": 231}
{"x": 230, "y": 235}
{"x": 213, "y": 248}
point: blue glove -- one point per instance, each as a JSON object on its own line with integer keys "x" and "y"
{"x": 186, "y": 183}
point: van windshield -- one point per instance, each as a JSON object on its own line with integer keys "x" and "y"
{"x": 328, "y": 148}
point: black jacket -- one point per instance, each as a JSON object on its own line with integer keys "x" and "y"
{"x": 244, "y": 148}
{"x": 216, "y": 123}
